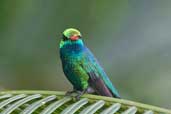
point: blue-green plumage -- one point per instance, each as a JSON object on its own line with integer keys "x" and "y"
{"x": 81, "y": 67}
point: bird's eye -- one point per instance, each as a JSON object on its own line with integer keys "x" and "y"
{"x": 79, "y": 37}
{"x": 64, "y": 38}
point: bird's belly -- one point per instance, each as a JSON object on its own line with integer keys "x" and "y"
{"x": 73, "y": 76}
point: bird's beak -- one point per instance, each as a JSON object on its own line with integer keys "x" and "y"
{"x": 74, "y": 37}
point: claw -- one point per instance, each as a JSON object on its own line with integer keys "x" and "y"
{"x": 79, "y": 94}
{"x": 78, "y": 97}
{"x": 69, "y": 93}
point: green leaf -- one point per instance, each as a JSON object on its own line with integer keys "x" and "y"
{"x": 55, "y": 102}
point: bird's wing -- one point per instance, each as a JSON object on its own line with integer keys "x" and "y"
{"x": 97, "y": 75}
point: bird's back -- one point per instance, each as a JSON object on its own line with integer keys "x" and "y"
{"x": 99, "y": 71}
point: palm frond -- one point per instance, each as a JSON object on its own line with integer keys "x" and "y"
{"x": 54, "y": 102}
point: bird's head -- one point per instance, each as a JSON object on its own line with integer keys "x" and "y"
{"x": 71, "y": 34}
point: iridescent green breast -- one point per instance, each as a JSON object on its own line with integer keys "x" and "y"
{"x": 71, "y": 56}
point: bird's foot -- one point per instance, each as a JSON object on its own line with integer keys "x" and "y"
{"x": 69, "y": 93}
{"x": 76, "y": 94}
{"x": 79, "y": 94}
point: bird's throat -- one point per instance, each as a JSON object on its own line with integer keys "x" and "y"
{"x": 70, "y": 44}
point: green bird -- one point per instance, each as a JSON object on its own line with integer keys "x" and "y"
{"x": 81, "y": 67}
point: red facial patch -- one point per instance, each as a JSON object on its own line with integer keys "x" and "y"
{"x": 74, "y": 37}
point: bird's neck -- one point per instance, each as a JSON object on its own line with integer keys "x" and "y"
{"x": 72, "y": 45}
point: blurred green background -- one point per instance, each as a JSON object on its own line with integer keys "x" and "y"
{"x": 130, "y": 38}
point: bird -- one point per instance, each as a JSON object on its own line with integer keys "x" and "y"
{"x": 81, "y": 67}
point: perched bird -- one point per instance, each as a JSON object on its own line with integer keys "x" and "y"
{"x": 81, "y": 67}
